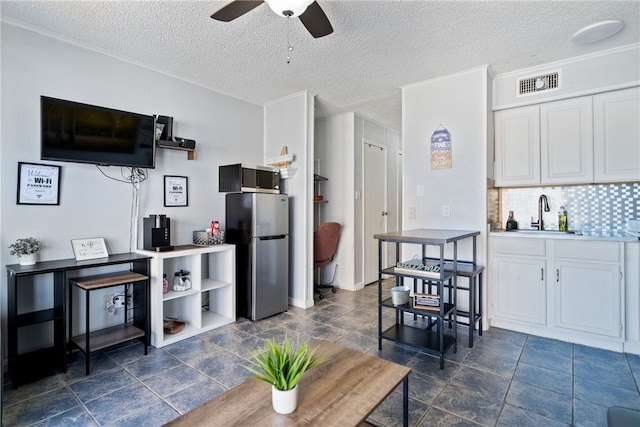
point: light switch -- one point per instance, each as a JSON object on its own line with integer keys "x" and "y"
{"x": 420, "y": 191}
{"x": 446, "y": 210}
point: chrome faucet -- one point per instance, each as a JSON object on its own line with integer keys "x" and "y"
{"x": 543, "y": 203}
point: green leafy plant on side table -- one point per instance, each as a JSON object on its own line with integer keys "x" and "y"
{"x": 282, "y": 365}
{"x": 26, "y": 250}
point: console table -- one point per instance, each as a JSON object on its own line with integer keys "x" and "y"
{"x": 26, "y": 366}
{"x": 340, "y": 392}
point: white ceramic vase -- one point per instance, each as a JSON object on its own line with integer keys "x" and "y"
{"x": 28, "y": 259}
{"x": 284, "y": 402}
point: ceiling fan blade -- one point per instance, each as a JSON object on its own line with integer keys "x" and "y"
{"x": 315, "y": 20}
{"x": 235, "y": 9}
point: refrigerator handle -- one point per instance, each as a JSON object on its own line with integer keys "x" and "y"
{"x": 280, "y": 236}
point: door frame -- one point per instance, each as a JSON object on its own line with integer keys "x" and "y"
{"x": 384, "y": 148}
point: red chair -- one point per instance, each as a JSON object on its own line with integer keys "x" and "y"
{"x": 325, "y": 246}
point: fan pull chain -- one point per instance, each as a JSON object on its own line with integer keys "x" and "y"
{"x": 289, "y": 45}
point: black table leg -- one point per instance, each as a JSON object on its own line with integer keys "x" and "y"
{"x": 87, "y": 354}
{"x": 405, "y": 401}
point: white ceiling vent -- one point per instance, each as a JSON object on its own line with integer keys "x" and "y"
{"x": 540, "y": 83}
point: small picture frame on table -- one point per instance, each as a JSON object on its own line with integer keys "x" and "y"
{"x": 176, "y": 191}
{"x": 38, "y": 184}
{"x": 92, "y": 248}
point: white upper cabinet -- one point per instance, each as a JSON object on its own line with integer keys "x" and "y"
{"x": 517, "y": 138}
{"x": 617, "y": 135}
{"x": 566, "y": 141}
{"x": 584, "y": 140}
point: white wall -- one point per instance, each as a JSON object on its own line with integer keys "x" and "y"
{"x": 227, "y": 130}
{"x": 289, "y": 122}
{"x": 608, "y": 70}
{"x": 338, "y": 150}
{"x": 458, "y": 103}
{"x": 335, "y": 156}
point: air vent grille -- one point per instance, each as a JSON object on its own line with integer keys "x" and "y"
{"x": 539, "y": 83}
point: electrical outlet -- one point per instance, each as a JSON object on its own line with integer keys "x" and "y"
{"x": 118, "y": 301}
{"x": 420, "y": 191}
{"x": 446, "y": 210}
{"x": 412, "y": 213}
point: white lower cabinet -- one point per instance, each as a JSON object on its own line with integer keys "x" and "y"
{"x": 211, "y": 301}
{"x": 520, "y": 289}
{"x": 571, "y": 290}
{"x": 587, "y": 297}
{"x": 588, "y": 287}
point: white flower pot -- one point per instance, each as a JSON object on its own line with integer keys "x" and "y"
{"x": 284, "y": 402}
{"x": 29, "y": 259}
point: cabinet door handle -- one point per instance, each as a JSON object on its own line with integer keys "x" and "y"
{"x": 541, "y": 273}
{"x": 557, "y": 275}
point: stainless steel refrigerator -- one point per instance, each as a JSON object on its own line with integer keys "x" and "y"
{"x": 258, "y": 224}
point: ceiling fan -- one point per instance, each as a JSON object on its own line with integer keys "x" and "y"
{"x": 309, "y": 12}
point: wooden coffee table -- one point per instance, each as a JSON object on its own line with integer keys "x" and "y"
{"x": 340, "y": 392}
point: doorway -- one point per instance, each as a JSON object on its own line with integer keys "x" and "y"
{"x": 375, "y": 206}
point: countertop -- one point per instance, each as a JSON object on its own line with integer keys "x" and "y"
{"x": 609, "y": 236}
{"x": 426, "y": 236}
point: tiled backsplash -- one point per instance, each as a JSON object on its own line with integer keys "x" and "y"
{"x": 592, "y": 208}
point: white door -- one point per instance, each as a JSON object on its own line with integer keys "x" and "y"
{"x": 375, "y": 206}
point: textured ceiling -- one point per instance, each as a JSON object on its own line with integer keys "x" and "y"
{"x": 376, "y": 47}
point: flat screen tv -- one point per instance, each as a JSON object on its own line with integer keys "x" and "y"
{"x": 75, "y": 132}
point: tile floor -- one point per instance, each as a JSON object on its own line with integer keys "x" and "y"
{"x": 506, "y": 379}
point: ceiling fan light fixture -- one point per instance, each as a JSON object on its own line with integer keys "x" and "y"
{"x": 289, "y": 8}
{"x": 597, "y": 31}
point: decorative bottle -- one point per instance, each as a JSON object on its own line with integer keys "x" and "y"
{"x": 512, "y": 224}
{"x": 563, "y": 225}
{"x": 165, "y": 284}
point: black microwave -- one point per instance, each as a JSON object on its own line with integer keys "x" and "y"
{"x": 248, "y": 179}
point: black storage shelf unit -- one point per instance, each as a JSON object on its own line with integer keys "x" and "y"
{"x": 433, "y": 341}
{"x": 391, "y": 271}
{"x": 474, "y": 288}
{"x": 137, "y": 326}
{"x": 41, "y": 316}
{"x": 446, "y": 308}
{"x": 423, "y": 339}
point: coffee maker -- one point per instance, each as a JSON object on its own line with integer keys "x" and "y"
{"x": 157, "y": 233}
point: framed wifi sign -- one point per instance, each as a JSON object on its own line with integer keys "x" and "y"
{"x": 38, "y": 184}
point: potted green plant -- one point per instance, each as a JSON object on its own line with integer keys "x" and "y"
{"x": 26, "y": 249}
{"x": 282, "y": 365}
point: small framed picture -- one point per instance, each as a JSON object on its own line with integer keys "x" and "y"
{"x": 176, "y": 191}
{"x": 38, "y": 184}
{"x": 93, "y": 248}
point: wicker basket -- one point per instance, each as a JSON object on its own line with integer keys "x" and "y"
{"x": 206, "y": 238}
{"x": 173, "y": 326}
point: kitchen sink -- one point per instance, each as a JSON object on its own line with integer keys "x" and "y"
{"x": 550, "y": 232}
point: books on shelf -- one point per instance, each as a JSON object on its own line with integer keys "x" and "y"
{"x": 426, "y": 302}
